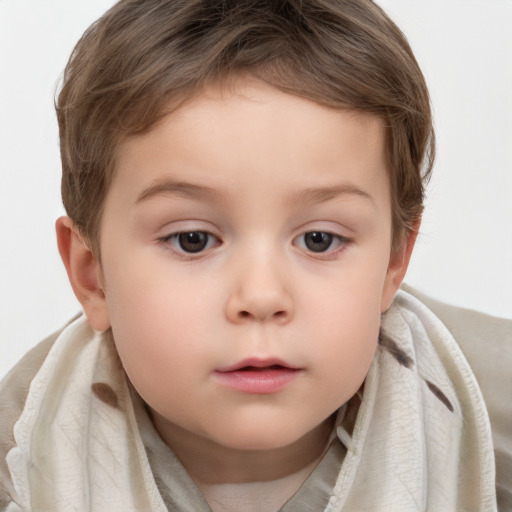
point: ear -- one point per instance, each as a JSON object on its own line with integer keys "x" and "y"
{"x": 398, "y": 263}
{"x": 84, "y": 273}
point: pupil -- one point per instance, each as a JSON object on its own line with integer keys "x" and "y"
{"x": 318, "y": 241}
{"x": 194, "y": 241}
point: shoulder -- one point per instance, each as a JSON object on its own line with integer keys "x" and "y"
{"x": 486, "y": 342}
{"x": 14, "y": 389}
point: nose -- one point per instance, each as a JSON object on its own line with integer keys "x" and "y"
{"x": 259, "y": 292}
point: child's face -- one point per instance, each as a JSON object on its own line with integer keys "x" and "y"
{"x": 250, "y": 228}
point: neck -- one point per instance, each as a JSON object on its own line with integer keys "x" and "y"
{"x": 211, "y": 463}
{"x": 236, "y": 479}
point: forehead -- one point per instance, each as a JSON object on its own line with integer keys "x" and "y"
{"x": 251, "y": 134}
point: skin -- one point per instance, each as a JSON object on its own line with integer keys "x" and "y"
{"x": 262, "y": 169}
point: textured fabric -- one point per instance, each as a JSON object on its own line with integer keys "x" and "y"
{"x": 315, "y": 493}
{"x": 421, "y": 439}
{"x": 486, "y": 342}
{"x": 13, "y": 393}
{"x": 77, "y": 444}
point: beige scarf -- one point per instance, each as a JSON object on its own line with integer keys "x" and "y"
{"x": 421, "y": 441}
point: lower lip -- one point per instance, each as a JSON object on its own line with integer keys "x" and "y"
{"x": 264, "y": 381}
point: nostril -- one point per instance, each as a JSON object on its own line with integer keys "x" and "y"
{"x": 278, "y": 314}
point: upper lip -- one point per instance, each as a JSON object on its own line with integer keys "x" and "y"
{"x": 257, "y": 362}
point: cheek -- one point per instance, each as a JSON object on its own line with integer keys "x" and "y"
{"x": 344, "y": 323}
{"x": 155, "y": 326}
{"x": 351, "y": 343}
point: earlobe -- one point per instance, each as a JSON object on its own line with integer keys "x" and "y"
{"x": 84, "y": 273}
{"x": 398, "y": 264}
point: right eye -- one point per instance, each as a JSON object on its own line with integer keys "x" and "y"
{"x": 191, "y": 242}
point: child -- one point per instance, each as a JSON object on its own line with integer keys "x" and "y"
{"x": 244, "y": 184}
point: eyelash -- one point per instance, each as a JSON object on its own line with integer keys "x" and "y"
{"x": 342, "y": 241}
{"x": 173, "y": 242}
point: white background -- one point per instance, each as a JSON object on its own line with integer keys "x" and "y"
{"x": 464, "y": 253}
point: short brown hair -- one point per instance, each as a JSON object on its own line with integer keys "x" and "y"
{"x": 141, "y": 54}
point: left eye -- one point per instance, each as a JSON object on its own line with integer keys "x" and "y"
{"x": 320, "y": 241}
{"x": 191, "y": 241}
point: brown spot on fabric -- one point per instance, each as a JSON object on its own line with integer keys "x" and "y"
{"x": 439, "y": 394}
{"x": 105, "y": 393}
{"x": 387, "y": 343}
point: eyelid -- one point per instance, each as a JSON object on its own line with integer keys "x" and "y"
{"x": 168, "y": 242}
{"x": 329, "y": 254}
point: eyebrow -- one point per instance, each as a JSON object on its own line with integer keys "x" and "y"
{"x": 201, "y": 192}
{"x": 322, "y": 194}
{"x": 178, "y": 188}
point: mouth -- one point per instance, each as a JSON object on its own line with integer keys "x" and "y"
{"x": 261, "y": 368}
{"x": 257, "y": 364}
{"x": 258, "y": 376}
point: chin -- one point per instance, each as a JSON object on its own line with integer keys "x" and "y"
{"x": 261, "y": 438}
